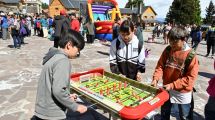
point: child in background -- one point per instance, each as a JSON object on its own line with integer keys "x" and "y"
{"x": 51, "y": 33}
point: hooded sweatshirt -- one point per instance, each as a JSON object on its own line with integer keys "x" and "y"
{"x": 53, "y": 92}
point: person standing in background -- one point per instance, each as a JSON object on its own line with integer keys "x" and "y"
{"x": 75, "y": 25}
{"x": 4, "y": 26}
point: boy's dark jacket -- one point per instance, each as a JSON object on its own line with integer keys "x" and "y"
{"x": 53, "y": 93}
{"x": 60, "y": 23}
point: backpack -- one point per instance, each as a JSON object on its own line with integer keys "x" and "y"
{"x": 38, "y": 24}
{"x": 188, "y": 59}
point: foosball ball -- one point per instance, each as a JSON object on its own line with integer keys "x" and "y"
{"x": 122, "y": 97}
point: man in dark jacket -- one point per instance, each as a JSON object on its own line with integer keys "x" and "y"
{"x": 61, "y": 24}
{"x": 210, "y": 37}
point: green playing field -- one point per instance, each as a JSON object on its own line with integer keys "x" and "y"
{"x": 117, "y": 91}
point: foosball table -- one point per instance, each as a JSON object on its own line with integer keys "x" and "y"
{"x": 121, "y": 97}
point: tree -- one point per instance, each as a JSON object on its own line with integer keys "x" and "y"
{"x": 133, "y": 3}
{"x": 45, "y": 6}
{"x": 210, "y": 11}
{"x": 184, "y": 12}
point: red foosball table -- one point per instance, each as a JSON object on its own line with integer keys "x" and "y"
{"x": 121, "y": 97}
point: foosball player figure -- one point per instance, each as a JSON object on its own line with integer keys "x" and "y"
{"x": 87, "y": 86}
{"x": 120, "y": 85}
{"x": 106, "y": 81}
{"x": 96, "y": 84}
{"x": 101, "y": 92}
{"x": 114, "y": 87}
{"x": 108, "y": 91}
{"x": 125, "y": 84}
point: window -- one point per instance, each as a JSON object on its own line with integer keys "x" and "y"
{"x": 152, "y": 17}
{"x": 145, "y": 17}
{"x": 56, "y": 8}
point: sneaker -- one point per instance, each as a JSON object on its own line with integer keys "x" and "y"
{"x": 206, "y": 55}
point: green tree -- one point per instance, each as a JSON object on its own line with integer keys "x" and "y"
{"x": 45, "y": 6}
{"x": 210, "y": 11}
{"x": 133, "y": 3}
{"x": 184, "y": 12}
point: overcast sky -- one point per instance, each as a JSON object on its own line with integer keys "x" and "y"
{"x": 161, "y": 7}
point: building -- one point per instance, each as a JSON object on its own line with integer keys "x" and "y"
{"x": 32, "y": 6}
{"x": 144, "y": 13}
{"x": 69, "y": 5}
{"x": 148, "y": 15}
{"x": 11, "y": 5}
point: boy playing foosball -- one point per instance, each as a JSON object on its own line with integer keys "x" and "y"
{"x": 178, "y": 67}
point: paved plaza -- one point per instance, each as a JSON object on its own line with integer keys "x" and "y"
{"x": 20, "y": 70}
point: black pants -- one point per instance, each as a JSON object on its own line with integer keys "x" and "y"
{"x": 195, "y": 45}
{"x": 36, "y": 118}
{"x": 210, "y": 109}
{"x": 211, "y": 44}
{"x": 90, "y": 38}
{"x": 56, "y": 42}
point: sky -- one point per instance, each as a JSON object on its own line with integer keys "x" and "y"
{"x": 161, "y": 7}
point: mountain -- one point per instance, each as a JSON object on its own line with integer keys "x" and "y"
{"x": 160, "y": 20}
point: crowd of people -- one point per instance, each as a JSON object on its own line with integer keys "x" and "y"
{"x": 195, "y": 33}
{"x": 178, "y": 65}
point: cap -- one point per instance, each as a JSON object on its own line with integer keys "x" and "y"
{"x": 10, "y": 13}
{"x": 62, "y": 12}
{"x": 2, "y": 14}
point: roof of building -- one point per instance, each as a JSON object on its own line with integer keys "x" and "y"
{"x": 126, "y": 11}
{"x": 71, "y": 3}
{"x": 10, "y": 1}
{"x": 135, "y": 10}
{"x": 146, "y": 7}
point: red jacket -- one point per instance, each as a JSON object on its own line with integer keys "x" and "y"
{"x": 75, "y": 25}
{"x": 211, "y": 87}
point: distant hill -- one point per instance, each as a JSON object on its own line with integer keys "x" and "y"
{"x": 160, "y": 20}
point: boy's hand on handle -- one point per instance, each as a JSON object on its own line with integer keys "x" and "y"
{"x": 154, "y": 83}
{"x": 139, "y": 78}
{"x": 81, "y": 108}
{"x": 167, "y": 87}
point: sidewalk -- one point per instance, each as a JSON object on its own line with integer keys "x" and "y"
{"x": 20, "y": 70}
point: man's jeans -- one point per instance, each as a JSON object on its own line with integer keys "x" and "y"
{"x": 4, "y": 33}
{"x": 184, "y": 110}
{"x": 16, "y": 40}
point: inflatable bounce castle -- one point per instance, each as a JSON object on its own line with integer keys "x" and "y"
{"x": 103, "y": 13}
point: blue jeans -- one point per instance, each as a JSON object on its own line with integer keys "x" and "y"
{"x": 16, "y": 40}
{"x": 4, "y": 33}
{"x": 184, "y": 110}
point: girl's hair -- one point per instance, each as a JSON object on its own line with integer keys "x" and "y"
{"x": 126, "y": 25}
{"x": 177, "y": 33}
{"x": 74, "y": 37}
